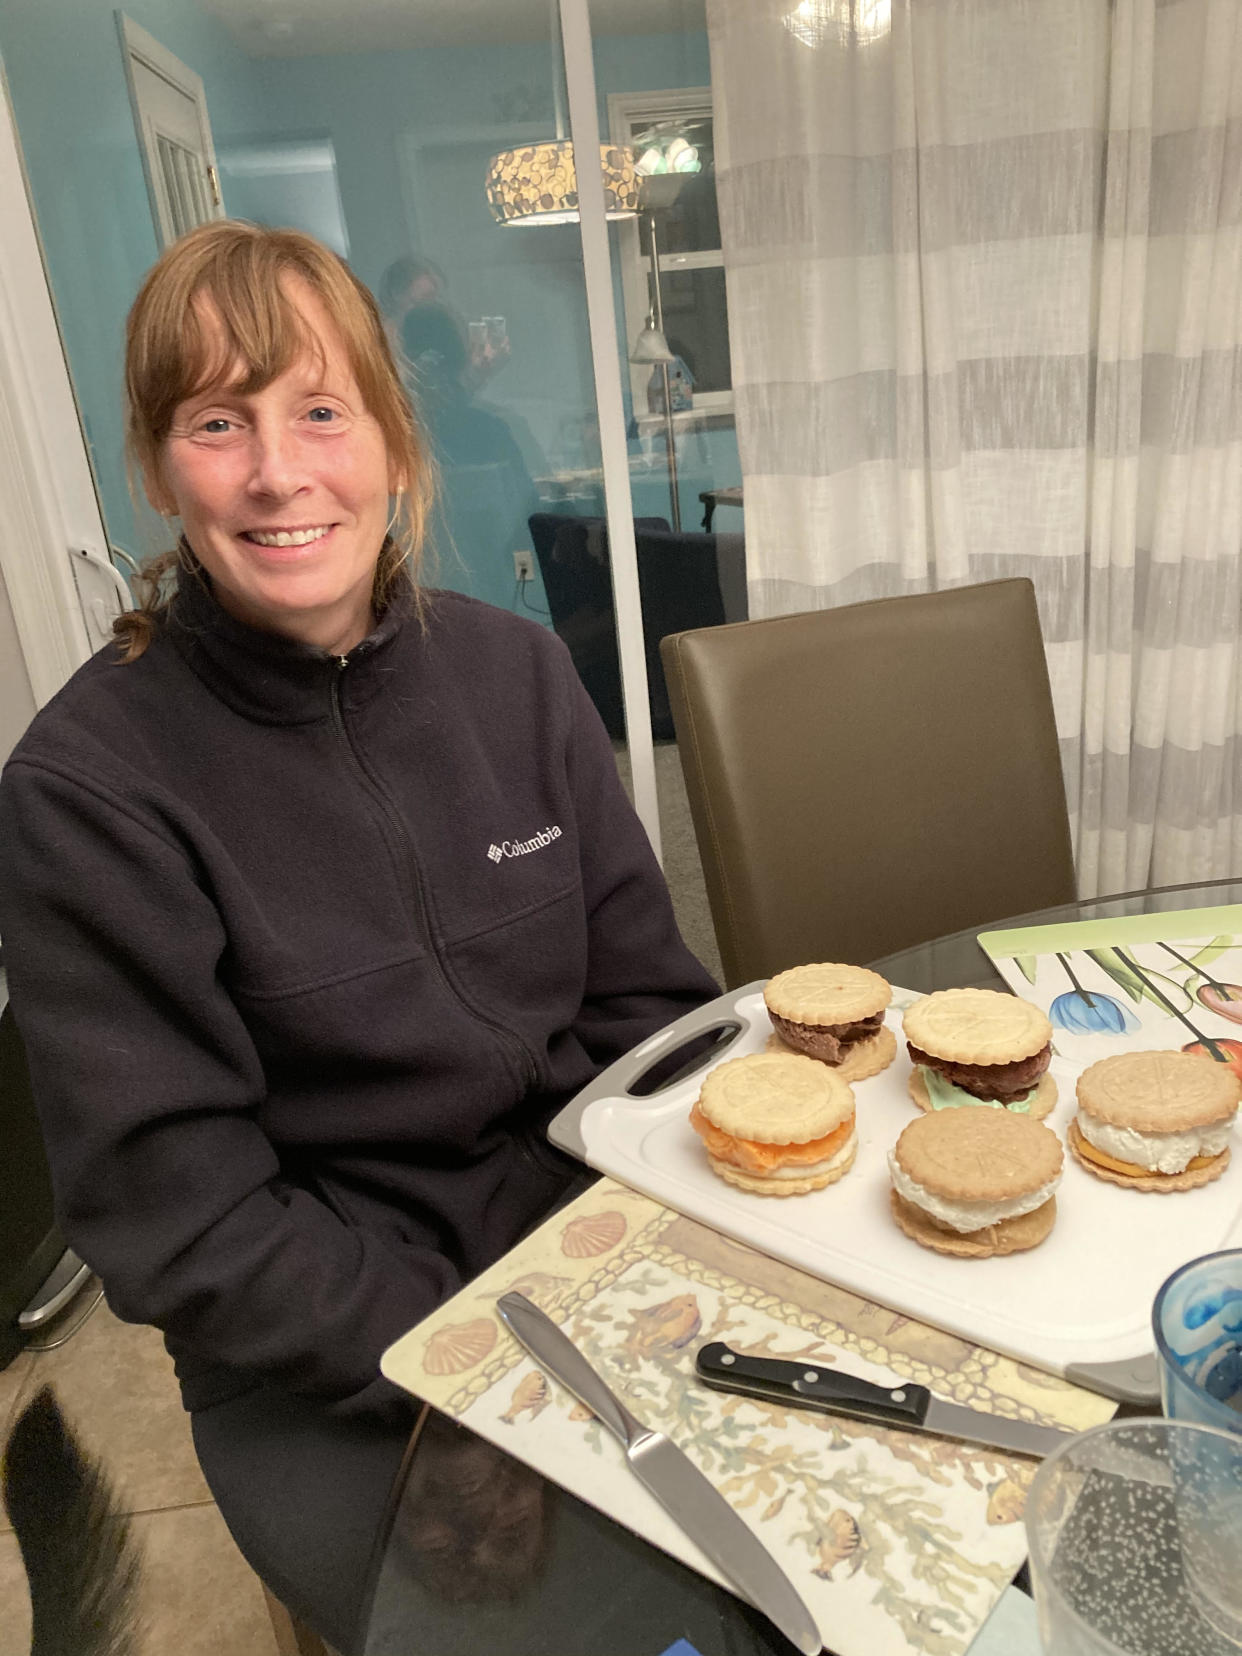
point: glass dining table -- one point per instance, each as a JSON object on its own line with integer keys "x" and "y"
{"x": 482, "y": 1554}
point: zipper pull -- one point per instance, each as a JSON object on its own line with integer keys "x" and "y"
{"x": 342, "y": 662}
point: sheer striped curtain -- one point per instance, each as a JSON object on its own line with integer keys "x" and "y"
{"x": 984, "y": 264}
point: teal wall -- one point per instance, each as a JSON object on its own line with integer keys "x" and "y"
{"x": 62, "y": 60}
{"x": 411, "y": 133}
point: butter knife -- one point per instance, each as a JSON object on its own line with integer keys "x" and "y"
{"x": 681, "y": 1489}
{"x": 914, "y": 1408}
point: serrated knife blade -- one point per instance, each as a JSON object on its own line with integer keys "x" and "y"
{"x": 681, "y": 1489}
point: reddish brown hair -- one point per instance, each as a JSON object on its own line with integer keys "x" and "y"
{"x": 239, "y": 273}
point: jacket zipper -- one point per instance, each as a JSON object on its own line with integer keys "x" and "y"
{"x": 410, "y": 875}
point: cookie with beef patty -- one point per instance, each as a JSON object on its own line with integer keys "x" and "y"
{"x": 777, "y": 1124}
{"x": 1155, "y": 1120}
{"x": 834, "y": 1013}
{"x": 978, "y": 1046}
{"x": 975, "y": 1183}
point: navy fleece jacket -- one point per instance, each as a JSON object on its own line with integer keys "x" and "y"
{"x": 305, "y": 954}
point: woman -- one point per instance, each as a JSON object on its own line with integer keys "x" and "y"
{"x": 319, "y": 897}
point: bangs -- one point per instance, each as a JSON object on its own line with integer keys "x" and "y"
{"x": 230, "y": 343}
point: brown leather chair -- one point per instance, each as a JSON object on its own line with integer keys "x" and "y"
{"x": 864, "y": 778}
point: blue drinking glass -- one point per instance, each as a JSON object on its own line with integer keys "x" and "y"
{"x": 1197, "y": 1321}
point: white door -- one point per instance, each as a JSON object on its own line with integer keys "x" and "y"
{"x": 174, "y": 134}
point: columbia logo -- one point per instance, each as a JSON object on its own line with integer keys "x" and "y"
{"x": 521, "y": 848}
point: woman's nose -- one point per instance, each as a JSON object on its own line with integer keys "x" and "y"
{"x": 275, "y": 469}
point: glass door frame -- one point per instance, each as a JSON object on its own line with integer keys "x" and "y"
{"x": 607, "y": 354}
{"x": 47, "y": 491}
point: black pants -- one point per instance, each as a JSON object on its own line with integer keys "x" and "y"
{"x": 305, "y": 1488}
{"x": 308, "y": 1488}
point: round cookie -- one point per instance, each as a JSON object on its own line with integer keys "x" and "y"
{"x": 1038, "y": 1105}
{"x": 976, "y": 1026}
{"x": 1159, "y": 1092}
{"x": 1137, "y": 1095}
{"x": 974, "y": 1164}
{"x": 776, "y": 1123}
{"x": 827, "y": 1010}
{"x": 869, "y": 1057}
{"x": 775, "y": 1098}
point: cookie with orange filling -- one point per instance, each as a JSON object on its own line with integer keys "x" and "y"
{"x": 1155, "y": 1120}
{"x": 777, "y": 1124}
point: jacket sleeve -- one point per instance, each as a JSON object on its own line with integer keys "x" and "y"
{"x": 148, "y": 1089}
{"x": 640, "y": 975}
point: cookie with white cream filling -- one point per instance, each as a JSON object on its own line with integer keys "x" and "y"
{"x": 1155, "y": 1121}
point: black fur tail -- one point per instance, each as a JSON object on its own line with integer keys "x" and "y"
{"x": 80, "y": 1561}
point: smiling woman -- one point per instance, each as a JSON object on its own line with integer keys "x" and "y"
{"x": 296, "y": 1019}
{"x": 266, "y": 413}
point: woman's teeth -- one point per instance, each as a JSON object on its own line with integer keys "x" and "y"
{"x": 286, "y": 537}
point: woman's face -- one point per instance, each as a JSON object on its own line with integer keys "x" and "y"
{"x": 283, "y": 494}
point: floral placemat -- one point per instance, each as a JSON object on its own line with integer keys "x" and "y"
{"x": 1161, "y": 980}
{"x": 898, "y": 1541}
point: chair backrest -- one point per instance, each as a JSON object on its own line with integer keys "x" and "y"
{"x": 678, "y": 585}
{"x": 864, "y": 778}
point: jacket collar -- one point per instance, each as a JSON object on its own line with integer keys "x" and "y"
{"x": 265, "y": 677}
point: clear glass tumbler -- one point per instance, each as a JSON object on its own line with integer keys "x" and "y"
{"x": 1135, "y": 1537}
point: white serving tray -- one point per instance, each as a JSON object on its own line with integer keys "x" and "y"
{"x": 1079, "y": 1305}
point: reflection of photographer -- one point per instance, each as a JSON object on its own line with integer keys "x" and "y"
{"x": 409, "y": 281}
{"x": 472, "y": 1524}
{"x": 488, "y": 343}
{"x": 444, "y": 385}
{"x": 413, "y": 287}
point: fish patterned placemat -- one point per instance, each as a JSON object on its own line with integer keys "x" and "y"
{"x": 898, "y": 1541}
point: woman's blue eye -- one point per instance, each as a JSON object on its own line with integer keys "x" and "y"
{"x": 216, "y": 426}
{"x": 321, "y": 415}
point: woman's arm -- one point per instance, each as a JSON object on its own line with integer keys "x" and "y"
{"x": 149, "y": 1089}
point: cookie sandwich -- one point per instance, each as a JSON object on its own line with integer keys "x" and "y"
{"x": 1155, "y": 1120}
{"x": 777, "y": 1124}
{"x": 977, "y": 1046}
{"x": 835, "y": 1014}
{"x": 975, "y": 1182}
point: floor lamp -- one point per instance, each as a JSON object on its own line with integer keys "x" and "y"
{"x": 652, "y": 347}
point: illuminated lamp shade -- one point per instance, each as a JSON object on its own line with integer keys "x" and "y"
{"x": 538, "y": 184}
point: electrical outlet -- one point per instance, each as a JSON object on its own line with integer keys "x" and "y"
{"x": 524, "y": 566}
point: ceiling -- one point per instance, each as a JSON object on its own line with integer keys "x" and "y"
{"x": 309, "y": 28}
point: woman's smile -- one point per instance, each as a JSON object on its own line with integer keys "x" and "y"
{"x": 286, "y": 537}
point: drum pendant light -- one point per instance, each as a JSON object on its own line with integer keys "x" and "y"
{"x": 538, "y": 183}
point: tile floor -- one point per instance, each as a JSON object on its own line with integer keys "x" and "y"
{"x": 115, "y": 1383}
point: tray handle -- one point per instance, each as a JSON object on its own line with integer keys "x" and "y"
{"x": 1131, "y": 1380}
{"x": 626, "y": 1074}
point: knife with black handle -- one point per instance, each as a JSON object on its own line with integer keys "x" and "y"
{"x": 832, "y": 1391}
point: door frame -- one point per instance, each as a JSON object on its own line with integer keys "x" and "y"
{"x": 138, "y": 45}
{"x": 48, "y": 504}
